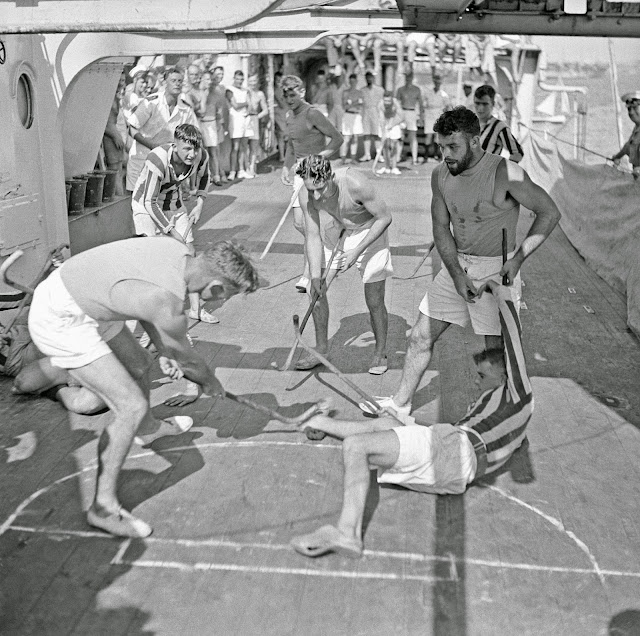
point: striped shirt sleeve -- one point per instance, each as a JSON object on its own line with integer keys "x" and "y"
{"x": 508, "y": 141}
{"x": 517, "y": 379}
{"x": 156, "y": 165}
{"x": 203, "y": 175}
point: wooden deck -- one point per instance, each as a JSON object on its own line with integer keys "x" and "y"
{"x": 550, "y": 546}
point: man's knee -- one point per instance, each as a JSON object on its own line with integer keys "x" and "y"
{"x": 354, "y": 445}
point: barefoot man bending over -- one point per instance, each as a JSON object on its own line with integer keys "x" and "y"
{"x": 77, "y": 320}
{"x": 355, "y": 207}
{"x": 432, "y": 458}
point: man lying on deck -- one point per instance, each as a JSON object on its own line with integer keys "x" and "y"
{"x": 431, "y": 458}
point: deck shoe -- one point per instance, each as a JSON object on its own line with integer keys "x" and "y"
{"x": 302, "y": 285}
{"x": 307, "y": 362}
{"x": 204, "y": 316}
{"x": 175, "y": 425}
{"x": 120, "y": 524}
{"x": 379, "y": 365}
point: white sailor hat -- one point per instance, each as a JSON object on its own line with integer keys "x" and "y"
{"x": 631, "y": 97}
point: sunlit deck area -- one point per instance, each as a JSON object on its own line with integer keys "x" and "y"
{"x": 549, "y": 546}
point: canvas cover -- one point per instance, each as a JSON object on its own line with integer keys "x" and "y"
{"x": 600, "y": 209}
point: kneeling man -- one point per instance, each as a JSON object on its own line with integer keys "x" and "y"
{"x": 354, "y": 207}
{"x": 432, "y": 458}
{"x": 77, "y": 320}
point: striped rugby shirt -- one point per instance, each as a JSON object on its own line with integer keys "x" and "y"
{"x": 158, "y": 186}
{"x": 500, "y": 416}
{"x": 496, "y": 137}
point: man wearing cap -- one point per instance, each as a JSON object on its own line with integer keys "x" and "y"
{"x": 632, "y": 147}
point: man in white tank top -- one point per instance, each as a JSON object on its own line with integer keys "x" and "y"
{"x": 358, "y": 225}
{"x": 474, "y": 196}
{"x": 77, "y": 320}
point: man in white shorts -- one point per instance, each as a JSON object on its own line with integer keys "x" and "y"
{"x": 239, "y": 127}
{"x": 77, "y": 320}
{"x": 158, "y": 192}
{"x": 353, "y": 205}
{"x": 353, "y": 105}
{"x": 412, "y": 102}
{"x": 478, "y": 195}
{"x": 440, "y": 459}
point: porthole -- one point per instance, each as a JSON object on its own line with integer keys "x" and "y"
{"x": 24, "y": 96}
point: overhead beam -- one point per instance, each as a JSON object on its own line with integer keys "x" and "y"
{"x": 73, "y": 16}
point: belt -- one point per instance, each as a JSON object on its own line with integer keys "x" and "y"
{"x": 407, "y": 108}
{"x": 480, "y": 450}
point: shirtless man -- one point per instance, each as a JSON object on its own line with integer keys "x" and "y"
{"x": 309, "y": 132}
{"x": 77, "y": 320}
{"x": 351, "y": 201}
{"x": 475, "y": 195}
{"x": 410, "y": 98}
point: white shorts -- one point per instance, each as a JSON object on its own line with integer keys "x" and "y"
{"x": 253, "y": 127}
{"x": 394, "y": 133}
{"x": 62, "y": 331}
{"x": 297, "y": 180}
{"x": 374, "y": 264}
{"x": 443, "y": 302}
{"x": 209, "y": 129}
{"x": 145, "y": 226}
{"x": 351, "y": 124}
{"x": 410, "y": 120}
{"x": 239, "y": 125}
{"x": 437, "y": 459}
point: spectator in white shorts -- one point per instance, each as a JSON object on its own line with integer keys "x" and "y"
{"x": 353, "y": 104}
{"x": 209, "y": 123}
{"x": 258, "y": 110}
{"x": 239, "y": 127}
{"x": 391, "y": 125}
{"x": 410, "y": 98}
{"x": 372, "y": 95}
{"x": 475, "y": 196}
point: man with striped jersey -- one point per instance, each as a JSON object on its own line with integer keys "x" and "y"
{"x": 157, "y": 197}
{"x": 495, "y": 136}
{"x": 430, "y": 457}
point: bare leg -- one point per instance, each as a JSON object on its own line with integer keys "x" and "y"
{"x": 353, "y": 150}
{"x": 321, "y": 317}
{"x": 298, "y": 223}
{"x": 235, "y": 148}
{"x": 39, "y": 376}
{"x": 413, "y": 136}
{"x": 108, "y": 378}
{"x": 393, "y": 154}
{"x": 367, "y": 145}
{"x": 374, "y": 297}
{"x": 242, "y": 155}
{"x": 359, "y": 453}
{"x": 423, "y": 337}
{"x": 78, "y": 399}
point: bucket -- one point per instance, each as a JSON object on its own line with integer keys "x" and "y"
{"x": 67, "y": 186}
{"x": 95, "y": 185}
{"x": 110, "y": 182}
{"x": 77, "y": 193}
